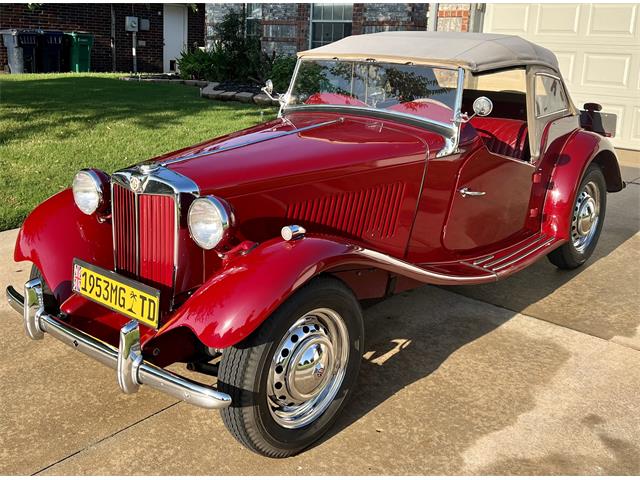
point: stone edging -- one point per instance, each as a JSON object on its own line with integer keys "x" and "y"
{"x": 210, "y": 90}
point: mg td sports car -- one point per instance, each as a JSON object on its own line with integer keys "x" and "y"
{"x": 397, "y": 159}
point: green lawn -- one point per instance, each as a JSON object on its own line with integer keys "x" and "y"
{"x": 53, "y": 125}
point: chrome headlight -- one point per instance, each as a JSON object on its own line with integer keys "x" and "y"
{"x": 209, "y": 220}
{"x": 90, "y": 190}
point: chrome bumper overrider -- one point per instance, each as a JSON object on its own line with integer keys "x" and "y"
{"x": 131, "y": 369}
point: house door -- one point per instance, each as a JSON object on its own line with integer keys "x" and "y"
{"x": 175, "y": 35}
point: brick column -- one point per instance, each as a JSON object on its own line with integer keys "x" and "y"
{"x": 302, "y": 24}
{"x": 358, "y": 18}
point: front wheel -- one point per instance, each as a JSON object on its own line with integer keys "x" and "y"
{"x": 587, "y": 219}
{"x": 290, "y": 379}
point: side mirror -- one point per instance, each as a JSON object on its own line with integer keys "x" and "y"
{"x": 268, "y": 87}
{"x": 482, "y": 106}
{"x": 268, "y": 90}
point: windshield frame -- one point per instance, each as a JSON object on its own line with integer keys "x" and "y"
{"x": 449, "y": 130}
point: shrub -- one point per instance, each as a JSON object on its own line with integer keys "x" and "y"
{"x": 235, "y": 57}
{"x": 281, "y": 72}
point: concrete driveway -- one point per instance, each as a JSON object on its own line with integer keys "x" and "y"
{"x": 538, "y": 374}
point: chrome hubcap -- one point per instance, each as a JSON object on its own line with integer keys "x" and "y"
{"x": 308, "y": 368}
{"x": 586, "y": 215}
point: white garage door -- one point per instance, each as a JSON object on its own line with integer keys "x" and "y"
{"x": 598, "y": 48}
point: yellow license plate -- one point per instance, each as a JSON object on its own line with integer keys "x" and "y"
{"x": 121, "y": 294}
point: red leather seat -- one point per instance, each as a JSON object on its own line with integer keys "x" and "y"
{"x": 503, "y": 136}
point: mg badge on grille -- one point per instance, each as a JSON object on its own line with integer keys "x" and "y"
{"x": 136, "y": 184}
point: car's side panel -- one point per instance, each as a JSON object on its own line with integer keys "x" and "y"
{"x": 236, "y": 300}
{"x": 56, "y": 232}
{"x": 374, "y": 209}
{"x": 580, "y": 150}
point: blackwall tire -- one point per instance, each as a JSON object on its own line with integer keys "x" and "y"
{"x": 589, "y": 210}
{"x": 290, "y": 379}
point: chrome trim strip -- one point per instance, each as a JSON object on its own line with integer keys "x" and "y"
{"x": 137, "y": 371}
{"x": 421, "y": 274}
{"x": 477, "y": 267}
{"x": 113, "y": 229}
{"x": 483, "y": 259}
{"x": 246, "y": 144}
{"x": 137, "y": 222}
{"x": 525, "y": 254}
{"x": 540, "y": 238}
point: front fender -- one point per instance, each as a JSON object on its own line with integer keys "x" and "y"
{"x": 581, "y": 149}
{"x": 56, "y": 232}
{"x": 234, "y": 302}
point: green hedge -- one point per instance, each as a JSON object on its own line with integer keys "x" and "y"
{"x": 237, "y": 58}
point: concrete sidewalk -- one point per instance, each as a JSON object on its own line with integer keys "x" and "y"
{"x": 537, "y": 374}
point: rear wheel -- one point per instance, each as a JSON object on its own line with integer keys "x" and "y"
{"x": 587, "y": 219}
{"x": 291, "y": 378}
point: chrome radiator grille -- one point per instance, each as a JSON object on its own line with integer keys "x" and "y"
{"x": 144, "y": 229}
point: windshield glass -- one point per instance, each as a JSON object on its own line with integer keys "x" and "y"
{"x": 420, "y": 90}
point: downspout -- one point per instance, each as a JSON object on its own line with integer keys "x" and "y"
{"x": 113, "y": 39}
{"x": 432, "y": 17}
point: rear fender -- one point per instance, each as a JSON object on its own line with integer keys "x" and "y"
{"x": 56, "y": 232}
{"x": 581, "y": 149}
{"x": 235, "y": 301}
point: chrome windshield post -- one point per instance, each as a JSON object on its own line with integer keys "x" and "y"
{"x": 286, "y": 97}
{"x": 451, "y": 144}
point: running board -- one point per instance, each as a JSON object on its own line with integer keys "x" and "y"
{"x": 499, "y": 262}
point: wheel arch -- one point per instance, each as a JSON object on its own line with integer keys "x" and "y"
{"x": 56, "y": 232}
{"x": 608, "y": 163}
{"x": 581, "y": 150}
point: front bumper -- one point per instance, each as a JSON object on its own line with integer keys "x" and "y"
{"x": 131, "y": 369}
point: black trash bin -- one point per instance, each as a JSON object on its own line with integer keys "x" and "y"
{"x": 49, "y": 52}
{"x": 21, "y": 49}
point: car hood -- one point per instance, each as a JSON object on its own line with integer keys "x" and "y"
{"x": 298, "y": 148}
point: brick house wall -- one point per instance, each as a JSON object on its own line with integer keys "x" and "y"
{"x": 454, "y": 17}
{"x": 286, "y": 27}
{"x": 380, "y": 17}
{"x": 96, "y": 19}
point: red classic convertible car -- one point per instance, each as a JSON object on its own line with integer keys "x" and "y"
{"x": 397, "y": 159}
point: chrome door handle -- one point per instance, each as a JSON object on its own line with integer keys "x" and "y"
{"x": 466, "y": 192}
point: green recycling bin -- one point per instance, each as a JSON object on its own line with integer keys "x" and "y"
{"x": 78, "y": 45}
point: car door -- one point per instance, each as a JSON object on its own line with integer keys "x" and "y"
{"x": 490, "y": 203}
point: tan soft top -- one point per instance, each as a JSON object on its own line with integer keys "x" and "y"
{"x": 477, "y": 52}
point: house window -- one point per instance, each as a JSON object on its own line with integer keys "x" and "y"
{"x": 252, "y": 19}
{"x": 330, "y": 22}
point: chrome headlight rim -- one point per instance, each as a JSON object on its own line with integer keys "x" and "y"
{"x": 100, "y": 181}
{"x": 226, "y": 220}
